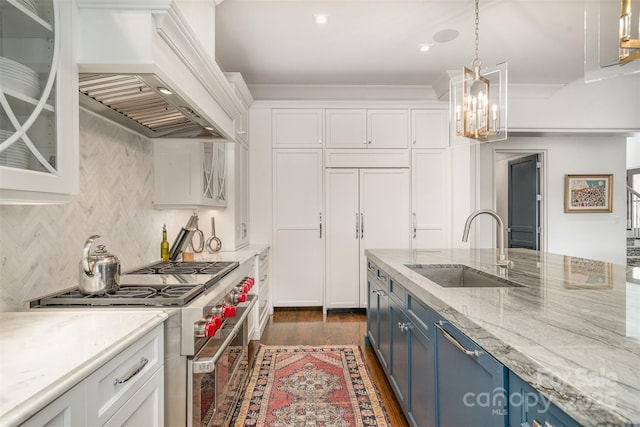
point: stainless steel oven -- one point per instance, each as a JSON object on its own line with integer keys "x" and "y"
{"x": 206, "y": 336}
{"x": 218, "y": 372}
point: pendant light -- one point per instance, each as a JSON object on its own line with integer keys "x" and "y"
{"x": 479, "y": 99}
{"x": 629, "y": 47}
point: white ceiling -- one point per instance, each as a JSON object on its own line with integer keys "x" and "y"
{"x": 370, "y": 42}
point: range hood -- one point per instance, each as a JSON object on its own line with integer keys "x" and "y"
{"x": 145, "y": 104}
{"x": 142, "y": 65}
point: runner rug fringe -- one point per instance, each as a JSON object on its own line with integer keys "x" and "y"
{"x": 310, "y": 386}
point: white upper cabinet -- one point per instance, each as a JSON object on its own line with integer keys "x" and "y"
{"x": 367, "y": 128}
{"x": 38, "y": 81}
{"x": 429, "y": 129}
{"x": 189, "y": 174}
{"x": 297, "y": 128}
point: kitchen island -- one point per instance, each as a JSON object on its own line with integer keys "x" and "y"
{"x": 43, "y": 354}
{"x": 571, "y": 331}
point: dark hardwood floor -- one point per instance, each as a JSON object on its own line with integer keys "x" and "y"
{"x": 310, "y": 327}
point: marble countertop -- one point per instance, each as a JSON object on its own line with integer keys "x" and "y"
{"x": 45, "y": 353}
{"x": 572, "y": 331}
{"x": 241, "y": 255}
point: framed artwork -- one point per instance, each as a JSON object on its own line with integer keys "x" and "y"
{"x": 581, "y": 273}
{"x": 588, "y": 193}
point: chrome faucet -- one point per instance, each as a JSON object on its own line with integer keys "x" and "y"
{"x": 502, "y": 258}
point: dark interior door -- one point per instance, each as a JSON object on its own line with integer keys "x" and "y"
{"x": 523, "y": 204}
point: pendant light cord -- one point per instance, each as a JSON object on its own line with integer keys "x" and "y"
{"x": 477, "y": 62}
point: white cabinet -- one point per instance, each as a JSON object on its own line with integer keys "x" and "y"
{"x": 241, "y": 91}
{"x": 365, "y": 208}
{"x": 429, "y": 198}
{"x": 38, "y": 103}
{"x": 127, "y": 390}
{"x": 67, "y": 410}
{"x": 189, "y": 174}
{"x": 263, "y": 284}
{"x": 429, "y": 128}
{"x": 297, "y": 228}
{"x": 232, "y": 224}
{"x": 359, "y": 128}
{"x": 297, "y": 127}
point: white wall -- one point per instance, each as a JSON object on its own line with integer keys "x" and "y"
{"x": 589, "y": 235}
{"x": 612, "y": 104}
{"x": 633, "y": 153}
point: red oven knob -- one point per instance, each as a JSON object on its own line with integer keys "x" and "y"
{"x": 242, "y": 288}
{"x": 251, "y": 282}
{"x": 240, "y": 297}
{"x": 212, "y": 326}
{"x": 228, "y": 311}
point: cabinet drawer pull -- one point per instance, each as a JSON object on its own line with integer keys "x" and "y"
{"x": 452, "y": 340}
{"x": 380, "y": 292}
{"x": 404, "y": 327}
{"x": 264, "y": 278}
{"x": 134, "y": 372}
{"x": 382, "y": 278}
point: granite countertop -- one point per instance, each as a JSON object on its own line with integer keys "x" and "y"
{"x": 45, "y": 353}
{"x": 572, "y": 331}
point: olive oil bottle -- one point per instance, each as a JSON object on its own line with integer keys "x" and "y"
{"x": 164, "y": 246}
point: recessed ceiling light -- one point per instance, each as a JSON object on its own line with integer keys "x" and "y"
{"x": 320, "y": 18}
{"x": 164, "y": 90}
{"x": 445, "y": 35}
{"x": 424, "y": 47}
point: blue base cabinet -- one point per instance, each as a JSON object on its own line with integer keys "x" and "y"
{"x": 439, "y": 375}
{"x": 470, "y": 382}
{"x": 529, "y": 408}
{"x": 378, "y": 314}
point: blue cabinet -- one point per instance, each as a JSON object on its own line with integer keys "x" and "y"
{"x": 399, "y": 367}
{"x": 471, "y": 384}
{"x": 529, "y": 408}
{"x": 378, "y": 314}
{"x": 439, "y": 375}
{"x": 422, "y": 394}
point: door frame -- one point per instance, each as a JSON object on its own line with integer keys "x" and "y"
{"x": 497, "y": 155}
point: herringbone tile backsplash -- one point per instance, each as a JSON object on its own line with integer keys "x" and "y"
{"x": 41, "y": 246}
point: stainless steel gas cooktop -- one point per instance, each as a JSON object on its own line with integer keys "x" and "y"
{"x": 161, "y": 284}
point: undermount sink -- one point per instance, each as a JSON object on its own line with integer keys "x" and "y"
{"x": 460, "y": 276}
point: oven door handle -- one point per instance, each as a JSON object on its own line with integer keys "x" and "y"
{"x": 205, "y": 365}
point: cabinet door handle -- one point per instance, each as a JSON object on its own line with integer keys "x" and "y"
{"x": 134, "y": 372}
{"x": 357, "y": 226}
{"x": 404, "y": 327}
{"x": 361, "y": 226}
{"x": 320, "y": 225}
{"x": 415, "y": 224}
{"x": 452, "y": 340}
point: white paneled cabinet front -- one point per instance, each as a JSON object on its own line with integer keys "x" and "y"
{"x": 365, "y": 208}
{"x": 297, "y": 127}
{"x": 297, "y": 228}
{"x": 429, "y": 129}
{"x": 429, "y": 198}
{"x": 127, "y": 390}
{"x": 68, "y": 410}
{"x": 361, "y": 128}
{"x": 189, "y": 174}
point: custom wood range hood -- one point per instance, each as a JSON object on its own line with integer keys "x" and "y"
{"x": 142, "y": 65}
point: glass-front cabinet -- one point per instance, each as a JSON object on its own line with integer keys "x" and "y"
{"x": 38, "y": 102}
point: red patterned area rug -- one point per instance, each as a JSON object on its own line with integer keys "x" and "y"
{"x": 310, "y": 386}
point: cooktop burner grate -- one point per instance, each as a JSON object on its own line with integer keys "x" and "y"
{"x": 179, "y": 267}
{"x": 158, "y": 295}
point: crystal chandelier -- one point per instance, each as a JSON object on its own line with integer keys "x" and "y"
{"x": 629, "y": 48}
{"x": 479, "y": 98}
